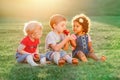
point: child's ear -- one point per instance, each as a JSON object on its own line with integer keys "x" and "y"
{"x": 54, "y": 25}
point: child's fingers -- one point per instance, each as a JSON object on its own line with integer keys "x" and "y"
{"x": 73, "y": 37}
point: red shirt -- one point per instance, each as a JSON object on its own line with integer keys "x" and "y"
{"x": 30, "y": 46}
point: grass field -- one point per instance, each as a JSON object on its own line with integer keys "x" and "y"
{"x": 105, "y": 32}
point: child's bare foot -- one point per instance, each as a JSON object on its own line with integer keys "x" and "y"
{"x": 75, "y": 61}
{"x": 103, "y": 58}
{"x": 48, "y": 62}
{"x": 61, "y": 62}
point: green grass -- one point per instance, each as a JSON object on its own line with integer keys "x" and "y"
{"x": 105, "y": 31}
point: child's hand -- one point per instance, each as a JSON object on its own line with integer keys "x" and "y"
{"x": 91, "y": 51}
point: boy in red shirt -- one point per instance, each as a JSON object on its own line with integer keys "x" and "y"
{"x": 28, "y": 49}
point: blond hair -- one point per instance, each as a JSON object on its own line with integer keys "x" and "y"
{"x": 31, "y": 26}
{"x": 83, "y": 20}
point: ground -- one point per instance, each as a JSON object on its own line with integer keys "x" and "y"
{"x": 105, "y": 32}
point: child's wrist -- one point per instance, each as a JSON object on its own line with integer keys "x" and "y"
{"x": 68, "y": 38}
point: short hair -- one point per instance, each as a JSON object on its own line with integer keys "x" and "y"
{"x": 30, "y": 27}
{"x": 83, "y": 20}
{"x": 55, "y": 19}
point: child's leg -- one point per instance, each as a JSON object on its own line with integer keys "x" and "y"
{"x": 56, "y": 57}
{"x": 67, "y": 58}
{"x": 30, "y": 60}
{"x": 43, "y": 59}
{"x": 57, "y": 60}
{"x": 21, "y": 58}
{"x": 82, "y": 56}
{"x": 93, "y": 56}
{"x": 70, "y": 59}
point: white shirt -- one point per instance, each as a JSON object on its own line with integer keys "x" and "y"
{"x": 53, "y": 38}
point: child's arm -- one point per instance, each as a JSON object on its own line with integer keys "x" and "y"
{"x": 72, "y": 41}
{"x": 37, "y": 50}
{"x": 66, "y": 46}
{"x": 21, "y": 49}
{"x": 91, "y": 50}
{"x": 57, "y": 47}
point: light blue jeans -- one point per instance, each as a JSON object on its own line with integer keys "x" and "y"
{"x": 22, "y": 57}
{"x": 49, "y": 53}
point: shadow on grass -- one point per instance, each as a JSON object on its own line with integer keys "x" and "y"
{"x": 84, "y": 71}
{"x": 49, "y": 72}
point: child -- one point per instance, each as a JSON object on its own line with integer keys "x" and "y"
{"x": 28, "y": 49}
{"x": 56, "y": 42}
{"x": 83, "y": 45}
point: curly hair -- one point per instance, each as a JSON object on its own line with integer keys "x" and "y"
{"x": 83, "y": 20}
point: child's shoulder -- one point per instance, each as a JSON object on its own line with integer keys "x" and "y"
{"x": 51, "y": 33}
{"x": 25, "y": 39}
{"x": 88, "y": 35}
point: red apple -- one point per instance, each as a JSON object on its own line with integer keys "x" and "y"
{"x": 66, "y": 32}
{"x": 36, "y": 56}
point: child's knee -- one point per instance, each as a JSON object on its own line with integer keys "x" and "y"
{"x": 80, "y": 53}
{"x": 82, "y": 56}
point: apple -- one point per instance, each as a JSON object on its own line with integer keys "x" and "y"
{"x": 66, "y": 32}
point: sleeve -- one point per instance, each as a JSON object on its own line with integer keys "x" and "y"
{"x": 50, "y": 39}
{"x": 24, "y": 41}
{"x": 73, "y": 36}
{"x": 38, "y": 41}
{"x": 89, "y": 38}
{"x": 62, "y": 36}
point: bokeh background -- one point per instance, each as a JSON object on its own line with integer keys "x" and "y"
{"x": 43, "y": 9}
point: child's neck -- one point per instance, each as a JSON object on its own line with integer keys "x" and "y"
{"x": 31, "y": 38}
{"x": 56, "y": 32}
{"x": 81, "y": 33}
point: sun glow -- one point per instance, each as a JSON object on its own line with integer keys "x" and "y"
{"x": 43, "y": 9}
{"x": 30, "y": 8}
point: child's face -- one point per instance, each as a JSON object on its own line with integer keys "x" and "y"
{"x": 60, "y": 27}
{"x": 77, "y": 28}
{"x": 37, "y": 33}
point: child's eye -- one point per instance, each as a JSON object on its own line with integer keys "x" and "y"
{"x": 75, "y": 26}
